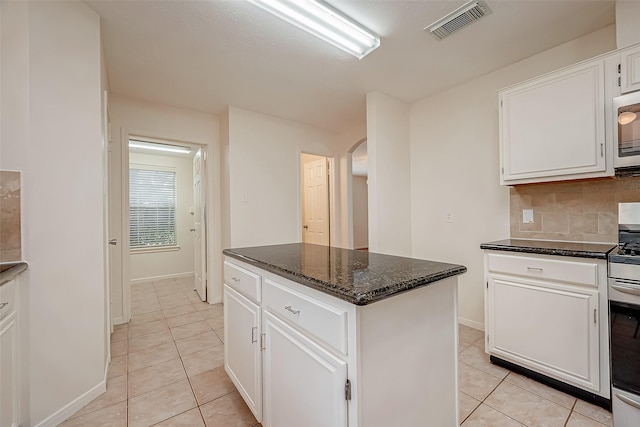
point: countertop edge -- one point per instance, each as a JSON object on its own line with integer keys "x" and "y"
{"x": 9, "y": 274}
{"x": 547, "y": 251}
{"x": 359, "y": 299}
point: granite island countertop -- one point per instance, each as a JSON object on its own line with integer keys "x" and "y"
{"x": 358, "y": 277}
{"x": 548, "y": 247}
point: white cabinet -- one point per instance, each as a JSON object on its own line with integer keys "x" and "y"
{"x": 303, "y": 381}
{"x": 549, "y": 314}
{"x": 9, "y": 362}
{"x": 630, "y": 70}
{"x": 243, "y": 361}
{"x": 553, "y": 128}
{"x": 329, "y": 363}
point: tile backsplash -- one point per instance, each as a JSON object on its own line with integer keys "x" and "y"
{"x": 10, "y": 231}
{"x": 573, "y": 210}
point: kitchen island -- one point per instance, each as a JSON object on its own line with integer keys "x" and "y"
{"x": 322, "y": 336}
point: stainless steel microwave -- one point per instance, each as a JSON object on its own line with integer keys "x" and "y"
{"x": 626, "y": 130}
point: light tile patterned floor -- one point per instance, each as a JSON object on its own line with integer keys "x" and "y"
{"x": 167, "y": 370}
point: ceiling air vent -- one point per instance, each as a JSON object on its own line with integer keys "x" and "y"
{"x": 461, "y": 17}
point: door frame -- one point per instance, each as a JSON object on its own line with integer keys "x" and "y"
{"x": 333, "y": 212}
{"x": 211, "y": 235}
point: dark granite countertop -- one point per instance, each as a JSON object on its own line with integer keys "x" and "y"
{"x": 547, "y": 247}
{"x": 358, "y": 277}
{"x": 9, "y": 270}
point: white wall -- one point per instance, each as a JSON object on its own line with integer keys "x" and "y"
{"x": 344, "y": 145}
{"x": 152, "y": 265}
{"x": 264, "y": 176}
{"x": 627, "y": 22}
{"x": 455, "y": 166}
{"x": 51, "y": 88}
{"x": 360, "y": 212}
{"x": 142, "y": 118}
{"x": 389, "y": 175}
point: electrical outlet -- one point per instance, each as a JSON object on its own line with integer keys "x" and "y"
{"x": 527, "y": 216}
{"x": 448, "y": 216}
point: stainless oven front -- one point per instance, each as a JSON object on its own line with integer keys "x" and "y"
{"x": 624, "y": 322}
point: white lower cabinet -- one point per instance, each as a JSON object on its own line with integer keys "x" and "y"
{"x": 300, "y": 357}
{"x": 243, "y": 361}
{"x": 549, "y": 314}
{"x": 9, "y": 363}
{"x": 302, "y": 380}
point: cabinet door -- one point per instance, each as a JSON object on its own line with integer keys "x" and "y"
{"x": 552, "y": 128}
{"x": 242, "y": 358}
{"x": 548, "y": 328}
{"x": 630, "y": 71}
{"x": 9, "y": 371}
{"x": 304, "y": 383}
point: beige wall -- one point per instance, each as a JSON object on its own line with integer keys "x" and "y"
{"x": 575, "y": 210}
{"x": 145, "y": 266}
{"x": 455, "y": 166}
{"x": 389, "y": 175}
{"x": 360, "y": 212}
{"x": 51, "y": 131}
{"x": 627, "y": 18}
{"x": 264, "y": 176}
{"x": 143, "y": 118}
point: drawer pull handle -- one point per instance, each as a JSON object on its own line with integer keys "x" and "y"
{"x": 3, "y": 304}
{"x": 253, "y": 334}
{"x": 288, "y": 308}
{"x": 538, "y": 269}
{"x": 235, "y": 279}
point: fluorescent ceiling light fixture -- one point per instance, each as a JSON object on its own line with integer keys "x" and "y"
{"x": 626, "y": 117}
{"x": 158, "y": 147}
{"x": 321, "y": 20}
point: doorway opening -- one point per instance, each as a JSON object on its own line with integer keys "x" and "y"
{"x": 166, "y": 215}
{"x": 360, "y": 196}
{"x": 315, "y": 198}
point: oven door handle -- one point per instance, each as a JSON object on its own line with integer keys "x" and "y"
{"x": 628, "y": 400}
{"x": 626, "y": 289}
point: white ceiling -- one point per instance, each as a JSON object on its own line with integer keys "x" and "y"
{"x": 205, "y": 55}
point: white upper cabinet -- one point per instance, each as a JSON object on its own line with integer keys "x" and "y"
{"x": 630, "y": 70}
{"x": 553, "y": 128}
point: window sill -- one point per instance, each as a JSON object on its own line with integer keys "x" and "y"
{"x": 152, "y": 249}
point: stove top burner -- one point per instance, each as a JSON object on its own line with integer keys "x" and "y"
{"x": 630, "y": 248}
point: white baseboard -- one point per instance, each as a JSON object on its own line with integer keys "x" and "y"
{"x": 118, "y": 320}
{"x": 215, "y": 301}
{"x": 73, "y": 407}
{"x": 471, "y": 323}
{"x": 166, "y": 276}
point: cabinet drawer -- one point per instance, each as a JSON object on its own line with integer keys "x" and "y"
{"x": 323, "y": 321}
{"x": 243, "y": 281}
{"x": 7, "y": 298}
{"x": 585, "y": 274}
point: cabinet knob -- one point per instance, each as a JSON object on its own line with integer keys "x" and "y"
{"x": 235, "y": 279}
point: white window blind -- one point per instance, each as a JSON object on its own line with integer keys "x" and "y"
{"x": 152, "y": 208}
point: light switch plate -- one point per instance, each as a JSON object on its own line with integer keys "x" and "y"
{"x": 527, "y": 216}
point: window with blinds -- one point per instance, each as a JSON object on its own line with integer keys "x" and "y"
{"x": 152, "y": 208}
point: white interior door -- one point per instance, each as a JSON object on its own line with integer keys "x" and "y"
{"x": 200, "y": 239}
{"x": 316, "y": 203}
